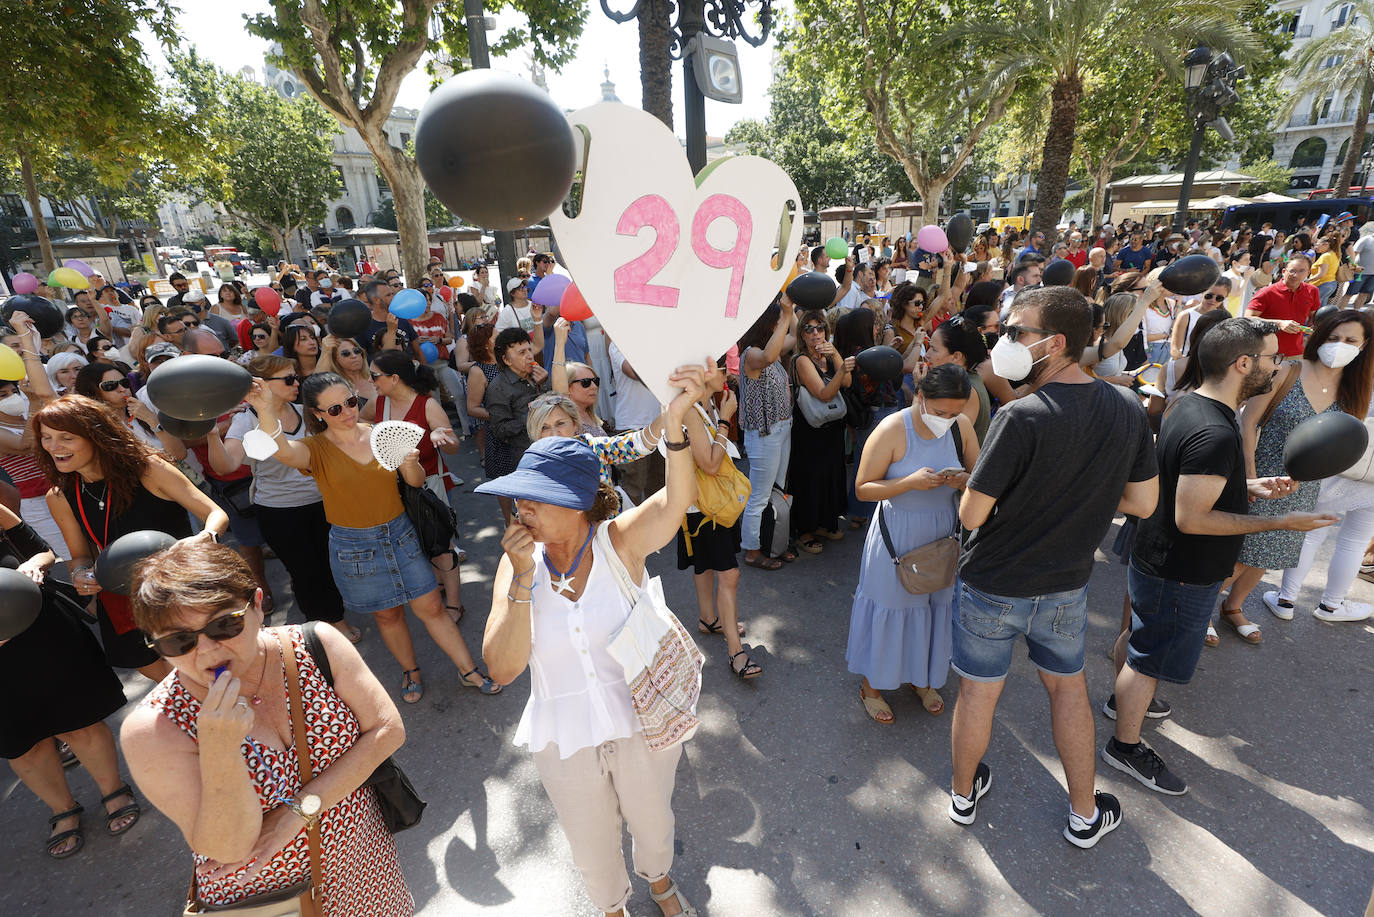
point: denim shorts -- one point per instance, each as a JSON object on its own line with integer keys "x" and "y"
{"x": 986, "y": 627}
{"x": 379, "y": 567}
{"x": 1364, "y": 285}
{"x": 1168, "y": 622}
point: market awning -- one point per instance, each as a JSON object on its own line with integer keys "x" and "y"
{"x": 1220, "y": 202}
{"x": 1155, "y": 206}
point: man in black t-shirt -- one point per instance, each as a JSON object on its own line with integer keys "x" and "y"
{"x": 1190, "y": 544}
{"x": 1057, "y": 464}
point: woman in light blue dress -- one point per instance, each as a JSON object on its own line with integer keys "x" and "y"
{"x": 911, "y": 463}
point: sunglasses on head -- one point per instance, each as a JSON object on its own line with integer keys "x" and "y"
{"x": 334, "y": 410}
{"x": 179, "y": 643}
{"x": 587, "y": 382}
{"x": 113, "y": 384}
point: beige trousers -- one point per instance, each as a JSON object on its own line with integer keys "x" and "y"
{"x": 595, "y": 789}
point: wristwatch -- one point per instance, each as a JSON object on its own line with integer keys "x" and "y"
{"x": 307, "y": 806}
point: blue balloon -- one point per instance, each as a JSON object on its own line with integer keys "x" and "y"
{"x": 408, "y": 304}
{"x": 430, "y": 352}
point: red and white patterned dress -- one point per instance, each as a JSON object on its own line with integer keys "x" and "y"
{"x": 362, "y": 872}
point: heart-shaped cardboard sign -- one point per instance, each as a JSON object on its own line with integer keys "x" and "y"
{"x": 674, "y": 267}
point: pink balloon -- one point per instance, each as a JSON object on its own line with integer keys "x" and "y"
{"x": 268, "y": 300}
{"x": 550, "y": 290}
{"x": 931, "y": 238}
{"x": 24, "y": 282}
{"x": 81, "y": 267}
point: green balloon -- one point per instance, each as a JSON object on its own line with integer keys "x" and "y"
{"x": 837, "y": 248}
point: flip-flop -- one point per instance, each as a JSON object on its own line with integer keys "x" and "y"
{"x": 931, "y": 700}
{"x": 875, "y": 706}
{"x": 1249, "y": 632}
{"x": 763, "y": 562}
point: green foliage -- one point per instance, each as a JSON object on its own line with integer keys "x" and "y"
{"x": 828, "y": 166}
{"x": 254, "y": 242}
{"x": 436, "y": 214}
{"x": 1269, "y": 176}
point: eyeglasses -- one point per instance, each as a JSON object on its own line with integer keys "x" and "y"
{"x": 350, "y": 353}
{"x": 113, "y": 384}
{"x": 813, "y": 329}
{"x": 334, "y": 410}
{"x": 1276, "y": 358}
{"x": 289, "y": 379}
{"x": 1012, "y": 332}
{"x": 587, "y": 382}
{"x": 179, "y": 643}
{"x": 396, "y": 285}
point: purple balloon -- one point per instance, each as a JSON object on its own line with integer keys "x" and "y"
{"x": 549, "y": 292}
{"x": 81, "y": 267}
{"x": 24, "y": 282}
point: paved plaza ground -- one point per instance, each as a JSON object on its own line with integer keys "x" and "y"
{"x": 791, "y": 801}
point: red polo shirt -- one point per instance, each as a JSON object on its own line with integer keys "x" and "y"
{"x": 1278, "y": 303}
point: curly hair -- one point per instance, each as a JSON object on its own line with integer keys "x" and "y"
{"x": 122, "y": 456}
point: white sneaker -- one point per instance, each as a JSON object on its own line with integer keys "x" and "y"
{"x": 1282, "y": 612}
{"x": 1346, "y": 611}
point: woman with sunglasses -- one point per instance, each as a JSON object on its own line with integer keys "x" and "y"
{"x": 107, "y": 483}
{"x": 104, "y": 351}
{"x": 287, "y": 504}
{"x": 576, "y": 380}
{"x": 907, "y": 308}
{"x": 105, "y": 383}
{"x": 302, "y": 344}
{"x": 374, "y": 551}
{"x": 348, "y": 359}
{"x": 816, "y": 473}
{"x": 214, "y": 745}
{"x": 262, "y": 340}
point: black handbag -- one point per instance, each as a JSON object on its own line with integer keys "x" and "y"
{"x": 434, "y": 520}
{"x": 401, "y": 806}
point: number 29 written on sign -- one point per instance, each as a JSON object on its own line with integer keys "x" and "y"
{"x": 632, "y": 279}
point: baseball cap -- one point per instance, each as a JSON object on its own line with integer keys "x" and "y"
{"x": 193, "y": 296}
{"x": 559, "y": 470}
{"x": 159, "y": 350}
{"x": 513, "y": 283}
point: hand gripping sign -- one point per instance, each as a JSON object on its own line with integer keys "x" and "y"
{"x": 675, "y": 268}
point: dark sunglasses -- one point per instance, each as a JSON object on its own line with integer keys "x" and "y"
{"x": 1012, "y": 332}
{"x": 813, "y": 329}
{"x": 260, "y": 336}
{"x": 113, "y": 384}
{"x": 190, "y": 324}
{"x": 334, "y": 410}
{"x": 350, "y": 353}
{"x": 289, "y": 379}
{"x": 181, "y": 642}
{"x": 105, "y": 349}
{"x": 587, "y": 382}
{"x": 1213, "y": 296}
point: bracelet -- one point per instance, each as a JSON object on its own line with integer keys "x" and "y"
{"x": 559, "y": 364}
{"x": 275, "y": 434}
{"x": 512, "y": 599}
{"x": 674, "y": 447}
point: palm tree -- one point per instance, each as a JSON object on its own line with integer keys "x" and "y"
{"x": 1343, "y": 58}
{"x": 1065, "y": 42}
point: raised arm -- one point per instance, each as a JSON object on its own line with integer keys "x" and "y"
{"x": 290, "y": 452}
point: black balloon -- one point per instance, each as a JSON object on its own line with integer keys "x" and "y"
{"x": 198, "y": 386}
{"x": 349, "y": 318}
{"x": 1324, "y": 445}
{"x": 812, "y": 290}
{"x": 114, "y": 568}
{"x": 1324, "y": 313}
{"x": 1190, "y": 275}
{"x": 880, "y": 364}
{"x": 20, "y": 602}
{"x": 483, "y": 127}
{"x": 1058, "y": 273}
{"x": 959, "y": 232}
{"x": 185, "y": 429}
{"x": 47, "y": 317}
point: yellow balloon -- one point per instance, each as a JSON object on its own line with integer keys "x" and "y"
{"x": 71, "y": 279}
{"x": 11, "y": 365}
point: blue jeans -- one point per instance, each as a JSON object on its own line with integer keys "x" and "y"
{"x": 1168, "y": 623}
{"x": 1327, "y": 290}
{"x": 767, "y": 466}
{"x": 986, "y": 627}
{"x": 858, "y": 509}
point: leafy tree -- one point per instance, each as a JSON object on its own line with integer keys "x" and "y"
{"x": 436, "y": 214}
{"x": 1269, "y": 176}
{"x": 1067, "y": 42}
{"x": 76, "y": 87}
{"x": 353, "y": 54}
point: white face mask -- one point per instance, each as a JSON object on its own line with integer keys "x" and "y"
{"x": 1012, "y": 360}
{"x": 15, "y": 405}
{"x": 1336, "y": 354}
{"x": 934, "y": 422}
{"x": 326, "y": 283}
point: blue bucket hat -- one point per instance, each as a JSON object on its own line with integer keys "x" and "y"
{"x": 557, "y": 470}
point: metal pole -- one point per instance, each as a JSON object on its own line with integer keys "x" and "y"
{"x": 1185, "y": 190}
{"x": 691, "y": 20}
{"x": 481, "y": 60}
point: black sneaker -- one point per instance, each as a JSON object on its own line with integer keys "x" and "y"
{"x": 1082, "y": 834}
{"x": 964, "y": 811}
{"x": 1145, "y": 766}
{"x": 1158, "y": 710}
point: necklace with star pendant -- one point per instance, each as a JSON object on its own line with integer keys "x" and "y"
{"x": 564, "y": 583}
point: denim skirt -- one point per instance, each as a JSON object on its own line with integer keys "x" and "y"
{"x": 379, "y": 567}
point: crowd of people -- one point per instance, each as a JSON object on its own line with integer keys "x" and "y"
{"x": 257, "y": 741}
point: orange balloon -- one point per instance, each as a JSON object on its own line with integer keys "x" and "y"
{"x": 455, "y": 281}
{"x": 791, "y": 276}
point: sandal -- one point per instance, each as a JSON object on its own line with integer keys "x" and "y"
{"x": 351, "y": 633}
{"x": 456, "y": 612}
{"x": 673, "y": 892}
{"x": 122, "y": 812}
{"x": 411, "y": 688}
{"x": 1211, "y": 639}
{"x": 66, "y": 755}
{"x": 877, "y": 708}
{"x": 56, "y": 840}
{"x": 858, "y": 522}
{"x": 750, "y": 669}
{"x": 1249, "y": 631}
{"x": 787, "y": 556}
{"x": 810, "y": 545}
{"x": 931, "y": 700}
{"x": 829, "y": 535}
{"x": 486, "y": 685}
{"x": 715, "y": 628}
{"x": 763, "y": 562}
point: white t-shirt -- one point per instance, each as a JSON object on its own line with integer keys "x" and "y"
{"x": 514, "y": 317}
{"x": 1364, "y": 254}
{"x": 275, "y": 484}
{"x": 635, "y": 405}
{"x": 853, "y": 299}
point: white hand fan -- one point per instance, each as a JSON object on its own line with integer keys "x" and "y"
{"x": 392, "y": 441}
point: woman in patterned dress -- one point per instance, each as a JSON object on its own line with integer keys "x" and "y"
{"x": 212, "y": 745}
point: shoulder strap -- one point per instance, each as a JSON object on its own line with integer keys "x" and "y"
{"x": 1281, "y": 390}
{"x": 313, "y": 643}
{"x": 958, "y": 442}
{"x": 887, "y": 536}
{"x": 302, "y": 739}
{"x": 608, "y": 552}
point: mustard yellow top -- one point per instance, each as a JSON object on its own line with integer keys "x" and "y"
{"x": 356, "y": 496}
{"x": 1325, "y": 268}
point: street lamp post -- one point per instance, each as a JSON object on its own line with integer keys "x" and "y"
{"x": 1366, "y": 163}
{"x": 947, "y": 154}
{"x": 481, "y": 58}
{"x": 1210, "y": 82}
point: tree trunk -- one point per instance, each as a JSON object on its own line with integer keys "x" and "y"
{"x": 40, "y": 225}
{"x": 1356, "y": 148}
{"x": 408, "y": 191}
{"x": 1100, "y": 181}
{"x": 655, "y": 66}
{"x": 931, "y": 191}
{"x": 1058, "y": 150}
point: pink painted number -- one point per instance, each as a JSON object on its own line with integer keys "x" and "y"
{"x": 715, "y": 207}
{"x": 632, "y": 278}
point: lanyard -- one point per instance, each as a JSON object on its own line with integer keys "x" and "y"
{"x": 81, "y": 506}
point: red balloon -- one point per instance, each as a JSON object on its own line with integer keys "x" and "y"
{"x": 573, "y": 306}
{"x": 268, "y": 300}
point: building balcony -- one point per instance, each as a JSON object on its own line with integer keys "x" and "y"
{"x": 1343, "y": 116}
{"x": 63, "y": 223}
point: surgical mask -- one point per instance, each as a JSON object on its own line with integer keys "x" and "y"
{"x": 1336, "y": 354}
{"x": 326, "y": 283}
{"x": 1012, "y": 360}
{"x": 935, "y": 423}
{"x": 15, "y": 405}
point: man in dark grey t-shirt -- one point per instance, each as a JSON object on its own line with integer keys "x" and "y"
{"x": 1056, "y": 466}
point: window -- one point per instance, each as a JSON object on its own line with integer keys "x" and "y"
{"x": 344, "y": 217}
{"x": 1326, "y": 107}
{"x": 1311, "y": 152}
{"x": 382, "y": 186}
{"x": 405, "y": 140}
{"x": 1345, "y": 148}
{"x": 1344, "y": 17}
{"x": 343, "y": 181}
{"x": 1290, "y": 27}
{"x": 12, "y": 205}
